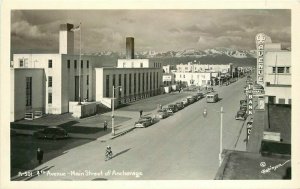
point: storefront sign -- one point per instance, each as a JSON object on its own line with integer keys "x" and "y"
{"x": 167, "y": 78}
{"x": 260, "y": 45}
{"x": 249, "y": 127}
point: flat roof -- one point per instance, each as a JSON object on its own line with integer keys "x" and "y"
{"x": 238, "y": 165}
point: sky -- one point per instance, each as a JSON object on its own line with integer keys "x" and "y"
{"x": 155, "y": 30}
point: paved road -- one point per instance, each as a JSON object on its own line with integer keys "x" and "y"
{"x": 184, "y": 146}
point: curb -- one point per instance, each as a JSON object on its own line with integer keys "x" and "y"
{"x": 122, "y": 133}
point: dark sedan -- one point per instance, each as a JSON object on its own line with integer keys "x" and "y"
{"x": 52, "y": 132}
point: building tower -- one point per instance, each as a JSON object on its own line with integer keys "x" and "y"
{"x": 129, "y": 48}
{"x": 66, "y": 39}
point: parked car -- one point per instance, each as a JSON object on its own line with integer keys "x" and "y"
{"x": 195, "y": 97}
{"x": 243, "y": 108}
{"x": 52, "y": 132}
{"x": 169, "y": 111}
{"x": 200, "y": 96}
{"x": 179, "y": 105}
{"x": 144, "y": 122}
{"x": 185, "y": 102}
{"x": 190, "y": 99}
{"x": 162, "y": 114}
{"x": 241, "y": 115}
{"x": 173, "y": 107}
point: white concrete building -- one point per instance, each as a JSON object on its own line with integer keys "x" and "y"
{"x": 67, "y": 78}
{"x": 223, "y": 68}
{"x": 278, "y": 77}
{"x": 195, "y": 78}
{"x": 274, "y": 70}
{"x": 135, "y": 84}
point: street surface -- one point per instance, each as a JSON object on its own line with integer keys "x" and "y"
{"x": 183, "y": 146}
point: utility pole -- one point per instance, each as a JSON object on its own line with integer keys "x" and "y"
{"x": 221, "y": 137}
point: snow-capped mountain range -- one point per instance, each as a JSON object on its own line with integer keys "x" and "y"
{"x": 230, "y": 52}
{"x": 201, "y": 53}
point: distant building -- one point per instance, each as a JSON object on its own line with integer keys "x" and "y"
{"x": 223, "y": 68}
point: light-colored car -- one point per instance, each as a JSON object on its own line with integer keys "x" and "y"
{"x": 185, "y": 102}
{"x": 144, "y": 122}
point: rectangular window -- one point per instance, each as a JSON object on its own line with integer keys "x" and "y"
{"x": 28, "y": 91}
{"x": 273, "y": 69}
{"x": 120, "y": 84}
{"x": 150, "y": 80}
{"x": 139, "y": 90}
{"x": 69, "y": 63}
{"x": 134, "y": 83}
{"x": 125, "y": 84}
{"x": 87, "y": 64}
{"x": 49, "y": 81}
{"x": 157, "y": 80}
{"x": 143, "y": 84}
{"x": 87, "y": 80}
{"x": 287, "y": 70}
{"x": 281, "y": 101}
{"x": 107, "y": 85}
{"x": 87, "y": 94}
{"x": 280, "y": 70}
{"x": 75, "y": 64}
{"x": 81, "y": 64}
{"x": 50, "y": 63}
{"x": 114, "y": 80}
{"x": 129, "y": 84}
{"x": 21, "y": 62}
{"x": 49, "y": 98}
{"x": 141, "y": 65}
{"x": 147, "y": 80}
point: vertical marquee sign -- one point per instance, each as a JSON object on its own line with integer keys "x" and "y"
{"x": 260, "y": 45}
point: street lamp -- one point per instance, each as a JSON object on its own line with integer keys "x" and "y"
{"x": 221, "y": 137}
{"x": 113, "y": 109}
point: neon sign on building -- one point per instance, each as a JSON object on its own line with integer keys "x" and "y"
{"x": 260, "y": 44}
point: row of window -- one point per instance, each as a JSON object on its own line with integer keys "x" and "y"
{"x": 141, "y": 76}
{"x": 75, "y": 64}
{"x": 281, "y": 70}
{"x": 50, "y": 80}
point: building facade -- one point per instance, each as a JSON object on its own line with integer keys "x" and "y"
{"x": 70, "y": 78}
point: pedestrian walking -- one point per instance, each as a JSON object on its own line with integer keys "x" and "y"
{"x": 105, "y": 126}
{"x": 141, "y": 113}
{"x": 39, "y": 155}
{"x": 160, "y": 106}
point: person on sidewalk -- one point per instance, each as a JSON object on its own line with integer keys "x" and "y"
{"x": 141, "y": 113}
{"x": 105, "y": 126}
{"x": 39, "y": 155}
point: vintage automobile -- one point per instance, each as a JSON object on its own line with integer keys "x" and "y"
{"x": 241, "y": 115}
{"x": 162, "y": 114}
{"x": 173, "y": 107}
{"x": 144, "y": 122}
{"x": 52, "y": 132}
{"x": 179, "y": 105}
{"x": 185, "y": 102}
{"x": 200, "y": 95}
{"x": 212, "y": 97}
{"x": 190, "y": 99}
{"x": 169, "y": 111}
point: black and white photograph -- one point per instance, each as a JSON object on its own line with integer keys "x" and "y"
{"x": 150, "y": 94}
